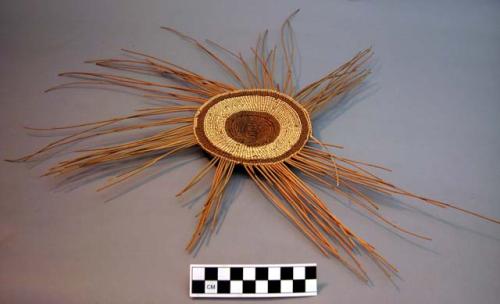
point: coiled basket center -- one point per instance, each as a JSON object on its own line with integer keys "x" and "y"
{"x": 252, "y": 126}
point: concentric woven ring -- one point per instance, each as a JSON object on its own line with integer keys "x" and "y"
{"x": 256, "y": 126}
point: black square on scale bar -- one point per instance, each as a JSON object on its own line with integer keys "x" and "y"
{"x": 274, "y": 286}
{"x": 223, "y": 287}
{"x": 286, "y": 273}
{"x": 261, "y": 273}
{"x": 211, "y": 273}
{"x": 299, "y": 285}
{"x": 236, "y": 273}
{"x": 248, "y": 286}
{"x": 310, "y": 272}
{"x": 198, "y": 287}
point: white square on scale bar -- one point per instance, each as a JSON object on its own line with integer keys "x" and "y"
{"x": 236, "y": 287}
{"x": 287, "y": 286}
{"x": 211, "y": 286}
{"x": 260, "y": 286}
{"x": 223, "y": 274}
{"x": 299, "y": 273}
{"x": 274, "y": 273}
{"x": 248, "y": 273}
{"x": 311, "y": 285}
{"x": 198, "y": 273}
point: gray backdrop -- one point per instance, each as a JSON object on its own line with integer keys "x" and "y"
{"x": 430, "y": 111}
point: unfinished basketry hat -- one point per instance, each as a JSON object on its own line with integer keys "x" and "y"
{"x": 261, "y": 123}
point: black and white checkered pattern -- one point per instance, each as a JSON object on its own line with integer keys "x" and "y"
{"x": 277, "y": 280}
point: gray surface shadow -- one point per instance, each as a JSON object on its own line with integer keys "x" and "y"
{"x": 321, "y": 286}
{"x": 231, "y": 192}
{"x": 106, "y": 88}
{"x": 71, "y": 148}
{"x": 395, "y": 203}
{"x": 144, "y": 75}
{"x": 71, "y": 182}
{"x": 387, "y": 201}
{"x": 224, "y": 75}
{"x": 343, "y": 103}
{"x": 268, "y": 45}
{"x": 458, "y": 226}
{"x": 68, "y": 183}
{"x": 274, "y": 299}
{"x": 122, "y": 90}
{"x": 230, "y": 60}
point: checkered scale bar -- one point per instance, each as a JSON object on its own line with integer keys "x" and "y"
{"x": 277, "y": 280}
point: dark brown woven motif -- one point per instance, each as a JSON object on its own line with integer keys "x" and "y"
{"x": 252, "y": 128}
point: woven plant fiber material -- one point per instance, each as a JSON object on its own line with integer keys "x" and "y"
{"x": 259, "y": 122}
{"x": 252, "y": 126}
